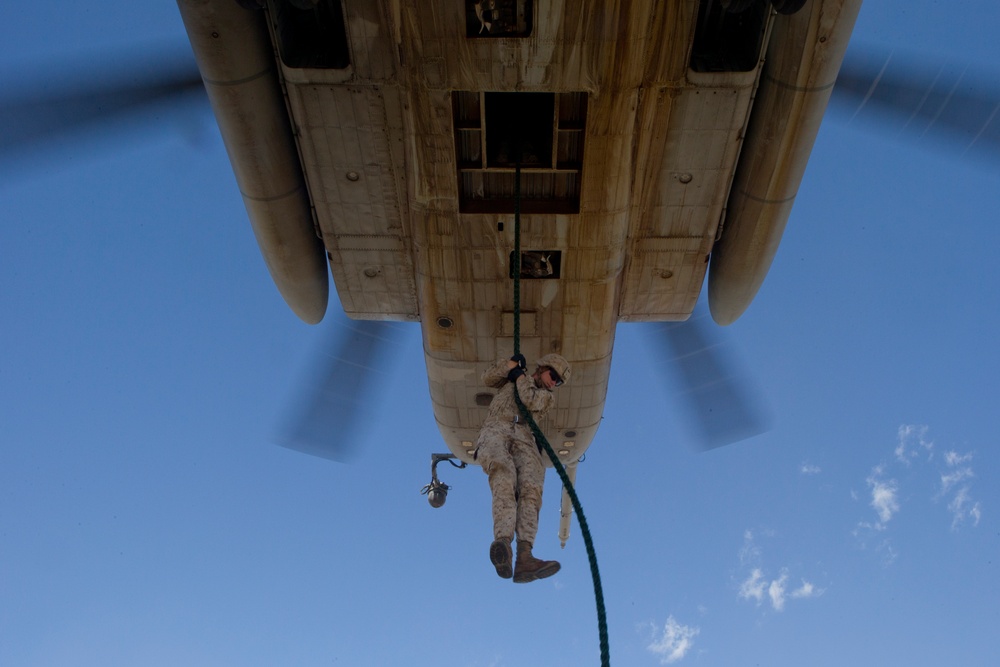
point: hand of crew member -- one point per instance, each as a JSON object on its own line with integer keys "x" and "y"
{"x": 516, "y": 367}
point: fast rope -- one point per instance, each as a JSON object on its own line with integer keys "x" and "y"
{"x": 602, "y": 620}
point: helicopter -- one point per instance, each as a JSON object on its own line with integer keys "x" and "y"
{"x": 376, "y": 143}
{"x": 386, "y": 132}
{"x": 639, "y": 149}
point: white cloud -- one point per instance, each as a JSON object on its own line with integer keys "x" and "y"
{"x": 887, "y": 552}
{"x": 954, "y": 458}
{"x": 753, "y": 586}
{"x": 865, "y": 532}
{"x": 806, "y": 590}
{"x": 864, "y": 528}
{"x": 756, "y": 585}
{"x": 957, "y": 478}
{"x": 749, "y": 552}
{"x": 885, "y": 496}
{"x": 952, "y": 478}
{"x": 809, "y": 469}
{"x": 674, "y": 642}
{"x": 975, "y": 513}
{"x": 912, "y": 441}
{"x": 963, "y": 507}
{"x": 950, "y": 483}
{"x": 776, "y": 591}
{"x": 958, "y": 471}
{"x": 884, "y": 499}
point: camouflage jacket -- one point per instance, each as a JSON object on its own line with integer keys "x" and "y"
{"x": 503, "y": 408}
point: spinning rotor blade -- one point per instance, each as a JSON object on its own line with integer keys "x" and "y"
{"x": 722, "y": 405}
{"x": 960, "y": 103}
{"x": 50, "y": 111}
{"x": 338, "y": 401}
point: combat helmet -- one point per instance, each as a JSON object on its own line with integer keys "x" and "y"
{"x": 558, "y": 363}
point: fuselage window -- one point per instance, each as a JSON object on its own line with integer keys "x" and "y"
{"x": 498, "y": 18}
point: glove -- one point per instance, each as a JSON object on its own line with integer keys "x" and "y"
{"x": 521, "y": 361}
{"x": 515, "y": 373}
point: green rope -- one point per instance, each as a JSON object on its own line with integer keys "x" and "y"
{"x": 602, "y": 620}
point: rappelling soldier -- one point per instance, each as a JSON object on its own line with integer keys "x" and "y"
{"x": 509, "y": 455}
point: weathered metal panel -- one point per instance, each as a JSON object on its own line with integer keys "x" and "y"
{"x": 689, "y": 142}
{"x": 350, "y": 140}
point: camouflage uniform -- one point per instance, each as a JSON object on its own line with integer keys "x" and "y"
{"x": 507, "y": 451}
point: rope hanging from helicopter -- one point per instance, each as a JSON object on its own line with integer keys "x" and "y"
{"x": 602, "y": 621}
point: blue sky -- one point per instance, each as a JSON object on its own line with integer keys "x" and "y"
{"x": 146, "y": 518}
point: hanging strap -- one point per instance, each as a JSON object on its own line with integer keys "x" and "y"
{"x": 602, "y": 621}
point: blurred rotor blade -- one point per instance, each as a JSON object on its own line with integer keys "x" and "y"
{"x": 723, "y": 406}
{"x": 49, "y": 110}
{"x": 957, "y": 102}
{"x": 339, "y": 398}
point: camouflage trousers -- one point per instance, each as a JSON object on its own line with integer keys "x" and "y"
{"x": 511, "y": 459}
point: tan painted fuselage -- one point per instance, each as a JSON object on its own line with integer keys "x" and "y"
{"x": 643, "y": 144}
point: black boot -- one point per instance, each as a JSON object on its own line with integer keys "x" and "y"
{"x": 501, "y": 557}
